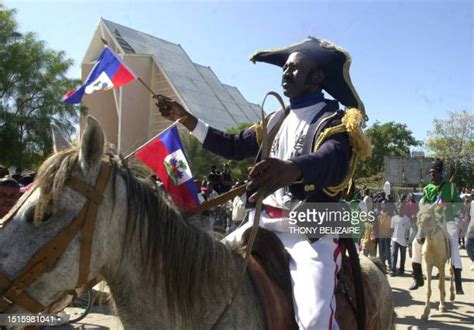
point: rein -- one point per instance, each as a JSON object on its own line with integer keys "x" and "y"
{"x": 46, "y": 258}
{"x": 264, "y": 151}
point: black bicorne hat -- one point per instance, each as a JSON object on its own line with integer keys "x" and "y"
{"x": 332, "y": 59}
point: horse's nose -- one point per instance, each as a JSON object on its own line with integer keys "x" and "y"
{"x": 421, "y": 241}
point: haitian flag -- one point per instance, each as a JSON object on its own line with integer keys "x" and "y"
{"x": 107, "y": 73}
{"x": 165, "y": 156}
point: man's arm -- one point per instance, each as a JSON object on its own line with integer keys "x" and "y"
{"x": 231, "y": 146}
{"x": 327, "y": 166}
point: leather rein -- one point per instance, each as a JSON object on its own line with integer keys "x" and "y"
{"x": 45, "y": 259}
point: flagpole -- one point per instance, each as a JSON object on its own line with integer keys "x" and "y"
{"x": 138, "y": 78}
{"x": 154, "y": 95}
{"x": 146, "y": 86}
{"x": 153, "y": 138}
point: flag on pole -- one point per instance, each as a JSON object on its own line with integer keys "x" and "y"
{"x": 165, "y": 156}
{"x": 107, "y": 73}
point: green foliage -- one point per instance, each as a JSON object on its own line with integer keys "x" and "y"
{"x": 453, "y": 140}
{"x": 201, "y": 160}
{"x": 32, "y": 82}
{"x": 388, "y": 139}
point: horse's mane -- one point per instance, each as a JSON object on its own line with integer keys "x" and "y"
{"x": 188, "y": 259}
{"x": 426, "y": 208}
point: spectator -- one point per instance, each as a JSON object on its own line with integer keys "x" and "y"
{"x": 9, "y": 194}
{"x": 387, "y": 188}
{"x": 27, "y": 179}
{"x": 391, "y": 205}
{"x": 367, "y": 202}
{"x": 369, "y": 237}
{"x": 226, "y": 179}
{"x": 470, "y": 238}
{"x": 400, "y": 225}
{"x": 411, "y": 210}
{"x": 471, "y": 207}
{"x": 238, "y": 208}
{"x": 384, "y": 234}
{"x": 214, "y": 179}
{"x": 17, "y": 175}
{"x": 200, "y": 195}
{"x": 3, "y": 172}
{"x": 355, "y": 213}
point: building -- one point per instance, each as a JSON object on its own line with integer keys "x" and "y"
{"x": 129, "y": 115}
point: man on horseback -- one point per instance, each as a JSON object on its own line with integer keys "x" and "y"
{"x": 446, "y": 195}
{"x": 304, "y": 163}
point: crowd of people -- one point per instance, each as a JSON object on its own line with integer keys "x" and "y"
{"x": 13, "y": 183}
{"x": 394, "y": 230}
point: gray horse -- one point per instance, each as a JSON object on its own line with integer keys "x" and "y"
{"x": 162, "y": 272}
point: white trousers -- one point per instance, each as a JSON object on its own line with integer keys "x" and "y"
{"x": 452, "y": 229}
{"x": 313, "y": 269}
{"x": 453, "y": 232}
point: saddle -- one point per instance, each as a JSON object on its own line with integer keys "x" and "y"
{"x": 268, "y": 269}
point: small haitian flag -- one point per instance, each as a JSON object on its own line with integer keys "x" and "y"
{"x": 107, "y": 73}
{"x": 165, "y": 156}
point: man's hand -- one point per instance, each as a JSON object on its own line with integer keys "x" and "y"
{"x": 270, "y": 175}
{"x": 173, "y": 111}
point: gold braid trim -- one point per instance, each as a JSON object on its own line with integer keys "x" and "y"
{"x": 361, "y": 146}
{"x": 258, "y": 127}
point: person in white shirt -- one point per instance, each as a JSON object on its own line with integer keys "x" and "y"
{"x": 366, "y": 204}
{"x": 400, "y": 226}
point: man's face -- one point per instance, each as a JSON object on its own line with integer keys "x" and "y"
{"x": 8, "y": 197}
{"x": 402, "y": 209}
{"x": 435, "y": 176}
{"x": 297, "y": 79}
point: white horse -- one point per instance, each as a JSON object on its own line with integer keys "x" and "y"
{"x": 162, "y": 272}
{"x": 436, "y": 253}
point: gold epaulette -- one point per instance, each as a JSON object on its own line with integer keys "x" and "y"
{"x": 361, "y": 146}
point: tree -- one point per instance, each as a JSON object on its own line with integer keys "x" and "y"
{"x": 388, "y": 139}
{"x": 32, "y": 82}
{"x": 452, "y": 139}
{"x": 201, "y": 160}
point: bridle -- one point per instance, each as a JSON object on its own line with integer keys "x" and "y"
{"x": 46, "y": 258}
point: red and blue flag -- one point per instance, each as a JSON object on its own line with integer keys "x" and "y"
{"x": 165, "y": 156}
{"x": 109, "y": 72}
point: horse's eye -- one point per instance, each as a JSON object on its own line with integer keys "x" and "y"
{"x": 30, "y": 215}
{"x": 46, "y": 217}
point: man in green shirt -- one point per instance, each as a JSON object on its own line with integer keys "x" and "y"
{"x": 446, "y": 195}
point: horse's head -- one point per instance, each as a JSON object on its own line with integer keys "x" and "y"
{"x": 426, "y": 222}
{"x": 63, "y": 200}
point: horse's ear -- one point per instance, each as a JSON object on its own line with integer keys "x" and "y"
{"x": 59, "y": 141}
{"x": 92, "y": 145}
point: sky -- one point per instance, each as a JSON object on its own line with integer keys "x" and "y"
{"x": 412, "y": 61}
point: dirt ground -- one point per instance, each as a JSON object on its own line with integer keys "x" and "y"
{"x": 409, "y": 306}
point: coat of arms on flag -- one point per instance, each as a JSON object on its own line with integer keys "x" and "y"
{"x": 165, "y": 156}
{"x": 102, "y": 83}
{"x": 177, "y": 167}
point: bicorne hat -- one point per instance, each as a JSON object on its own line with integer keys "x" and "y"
{"x": 332, "y": 59}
